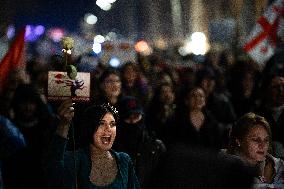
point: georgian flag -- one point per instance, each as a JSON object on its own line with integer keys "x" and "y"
{"x": 264, "y": 37}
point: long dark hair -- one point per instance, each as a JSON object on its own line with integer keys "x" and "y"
{"x": 91, "y": 119}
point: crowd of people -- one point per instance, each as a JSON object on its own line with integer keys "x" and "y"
{"x": 149, "y": 124}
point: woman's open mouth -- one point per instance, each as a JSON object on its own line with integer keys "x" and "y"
{"x": 106, "y": 139}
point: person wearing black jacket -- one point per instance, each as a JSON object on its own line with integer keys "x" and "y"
{"x": 134, "y": 138}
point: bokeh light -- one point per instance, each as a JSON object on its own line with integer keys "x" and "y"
{"x": 56, "y": 34}
{"x": 39, "y": 30}
{"x": 114, "y": 62}
{"x": 99, "y": 39}
{"x": 143, "y": 48}
{"x": 97, "y": 48}
{"x": 90, "y": 19}
{"x": 33, "y": 32}
{"x": 197, "y": 44}
{"x": 11, "y": 31}
{"x": 104, "y": 5}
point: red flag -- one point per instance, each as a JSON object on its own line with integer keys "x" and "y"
{"x": 263, "y": 38}
{"x": 14, "y": 58}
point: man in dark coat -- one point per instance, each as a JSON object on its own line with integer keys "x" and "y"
{"x": 134, "y": 138}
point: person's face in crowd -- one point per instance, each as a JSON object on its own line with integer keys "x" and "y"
{"x": 208, "y": 85}
{"x": 166, "y": 78}
{"x": 105, "y": 135}
{"x": 133, "y": 118}
{"x": 26, "y": 110}
{"x": 130, "y": 74}
{"x": 20, "y": 76}
{"x": 112, "y": 85}
{"x": 215, "y": 58}
{"x": 248, "y": 83}
{"x": 277, "y": 90}
{"x": 196, "y": 99}
{"x": 231, "y": 59}
{"x": 167, "y": 95}
{"x": 254, "y": 146}
{"x": 175, "y": 76}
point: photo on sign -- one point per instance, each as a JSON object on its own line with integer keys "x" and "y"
{"x": 61, "y": 87}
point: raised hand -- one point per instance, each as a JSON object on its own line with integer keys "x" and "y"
{"x": 66, "y": 114}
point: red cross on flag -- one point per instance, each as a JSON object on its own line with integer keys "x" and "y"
{"x": 263, "y": 38}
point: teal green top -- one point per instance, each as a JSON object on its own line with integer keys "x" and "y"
{"x": 60, "y": 168}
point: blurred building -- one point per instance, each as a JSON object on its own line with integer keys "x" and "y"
{"x": 223, "y": 22}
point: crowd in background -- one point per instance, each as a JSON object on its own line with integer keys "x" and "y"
{"x": 158, "y": 101}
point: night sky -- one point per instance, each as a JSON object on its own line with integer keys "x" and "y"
{"x": 50, "y": 13}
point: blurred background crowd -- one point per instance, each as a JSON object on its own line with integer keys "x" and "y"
{"x": 176, "y": 71}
